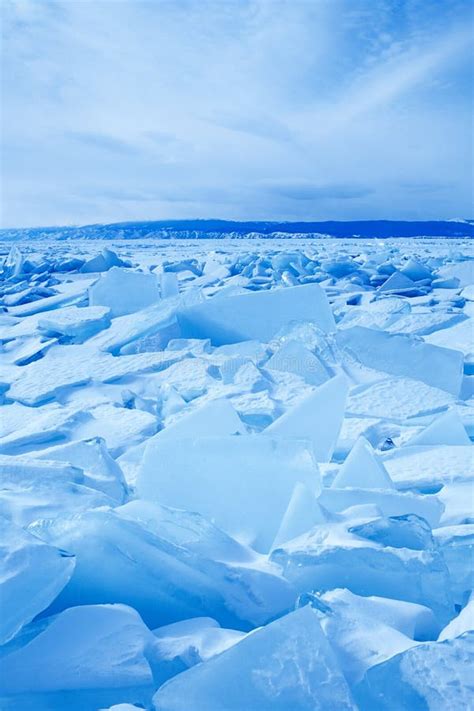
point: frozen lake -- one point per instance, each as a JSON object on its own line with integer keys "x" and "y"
{"x": 237, "y": 474}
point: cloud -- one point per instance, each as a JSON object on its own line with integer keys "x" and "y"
{"x": 101, "y": 142}
{"x": 239, "y": 109}
{"x": 307, "y": 191}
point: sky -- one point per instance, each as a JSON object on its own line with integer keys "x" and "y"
{"x": 118, "y": 110}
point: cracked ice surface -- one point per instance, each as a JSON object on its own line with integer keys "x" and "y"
{"x": 236, "y": 475}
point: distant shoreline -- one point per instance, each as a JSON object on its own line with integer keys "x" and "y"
{"x": 223, "y": 229}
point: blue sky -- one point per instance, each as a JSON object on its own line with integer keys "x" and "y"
{"x": 242, "y": 109}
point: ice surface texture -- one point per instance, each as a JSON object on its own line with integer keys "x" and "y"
{"x": 236, "y": 475}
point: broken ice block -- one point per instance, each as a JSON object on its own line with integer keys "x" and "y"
{"x": 168, "y": 564}
{"x": 104, "y": 261}
{"x": 393, "y": 557}
{"x": 32, "y": 489}
{"x": 456, "y": 544}
{"x": 96, "y": 648}
{"x": 217, "y": 417}
{"x": 181, "y": 645}
{"x": 79, "y": 323}
{"x": 389, "y": 501}
{"x": 293, "y": 357}
{"x": 100, "y": 470}
{"x": 412, "y": 620}
{"x": 169, "y": 285}
{"x": 32, "y": 574}
{"x": 398, "y": 283}
{"x": 433, "y": 675}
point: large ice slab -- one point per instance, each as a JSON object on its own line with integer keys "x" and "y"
{"x": 256, "y": 315}
{"x": 168, "y": 564}
{"x": 288, "y": 664}
{"x": 124, "y": 291}
{"x": 62, "y": 367}
{"x": 458, "y": 336}
{"x": 214, "y": 418}
{"x": 23, "y": 429}
{"x": 32, "y": 574}
{"x": 400, "y": 355}
{"x": 227, "y": 479}
{"x": 397, "y": 399}
{"x": 428, "y": 466}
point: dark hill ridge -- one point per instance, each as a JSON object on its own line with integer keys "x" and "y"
{"x": 202, "y": 229}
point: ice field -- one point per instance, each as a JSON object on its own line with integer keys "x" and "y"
{"x": 237, "y": 475}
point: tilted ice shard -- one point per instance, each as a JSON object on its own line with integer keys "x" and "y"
{"x": 415, "y": 270}
{"x": 464, "y": 622}
{"x": 32, "y": 574}
{"x": 445, "y": 429}
{"x": 318, "y": 418}
{"x": 288, "y": 664}
{"x": 363, "y": 469}
{"x": 227, "y": 478}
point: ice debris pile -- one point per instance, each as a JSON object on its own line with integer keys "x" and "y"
{"x": 237, "y": 481}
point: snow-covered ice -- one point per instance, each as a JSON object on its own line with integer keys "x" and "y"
{"x": 237, "y": 475}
